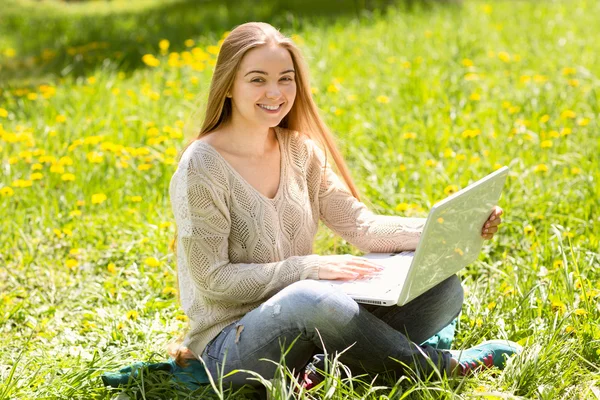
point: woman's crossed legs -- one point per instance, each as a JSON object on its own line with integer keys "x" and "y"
{"x": 375, "y": 335}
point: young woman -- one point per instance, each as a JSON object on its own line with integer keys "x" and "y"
{"x": 248, "y": 195}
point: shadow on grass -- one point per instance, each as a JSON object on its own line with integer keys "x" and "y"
{"x": 54, "y": 42}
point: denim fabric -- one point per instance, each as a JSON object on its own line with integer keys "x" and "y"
{"x": 306, "y": 309}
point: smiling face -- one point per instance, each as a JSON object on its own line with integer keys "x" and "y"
{"x": 264, "y": 88}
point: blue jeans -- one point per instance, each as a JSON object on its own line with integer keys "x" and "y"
{"x": 377, "y": 334}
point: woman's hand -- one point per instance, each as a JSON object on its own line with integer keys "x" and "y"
{"x": 491, "y": 225}
{"x": 347, "y": 267}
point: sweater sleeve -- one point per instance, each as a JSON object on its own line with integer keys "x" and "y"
{"x": 203, "y": 226}
{"x": 353, "y": 221}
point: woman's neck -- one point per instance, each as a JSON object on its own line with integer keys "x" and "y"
{"x": 254, "y": 142}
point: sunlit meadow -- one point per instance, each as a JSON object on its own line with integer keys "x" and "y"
{"x": 423, "y": 100}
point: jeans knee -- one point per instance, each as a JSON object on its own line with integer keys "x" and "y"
{"x": 313, "y": 300}
{"x": 452, "y": 292}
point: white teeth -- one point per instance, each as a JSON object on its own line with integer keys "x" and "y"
{"x": 272, "y": 108}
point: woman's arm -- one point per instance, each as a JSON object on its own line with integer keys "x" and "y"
{"x": 203, "y": 225}
{"x": 354, "y": 222}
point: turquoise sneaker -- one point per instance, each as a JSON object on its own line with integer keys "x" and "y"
{"x": 491, "y": 353}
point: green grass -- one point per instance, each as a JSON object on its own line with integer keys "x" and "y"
{"x": 421, "y": 98}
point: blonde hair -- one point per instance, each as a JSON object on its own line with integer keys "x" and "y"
{"x": 304, "y": 115}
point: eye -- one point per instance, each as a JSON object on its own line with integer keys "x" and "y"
{"x": 257, "y": 80}
{"x": 287, "y": 78}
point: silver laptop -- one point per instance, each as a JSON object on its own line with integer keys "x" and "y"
{"x": 451, "y": 240}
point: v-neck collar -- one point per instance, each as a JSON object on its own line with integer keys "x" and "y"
{"x": 282, "y": 167}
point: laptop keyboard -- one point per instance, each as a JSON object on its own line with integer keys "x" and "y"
{"x": 393, "y": 274}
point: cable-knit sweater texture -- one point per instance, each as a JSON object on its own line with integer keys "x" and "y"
{"x": 236, "y": 247}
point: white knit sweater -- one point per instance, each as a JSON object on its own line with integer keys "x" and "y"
{"x": 236, "y": 247}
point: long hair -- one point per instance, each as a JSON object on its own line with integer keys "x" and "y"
{"x": 303, "y": 116}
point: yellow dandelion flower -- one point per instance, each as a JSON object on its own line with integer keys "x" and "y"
{"x": 66, "y": 160}
{"x": 60, "y": 118}
{"x": 448, "y": 190}
{"x": 75, "y": 213}
{"x": 163, "y": 45}
{"x": 71, "y": 263}
{"x": 402, "y": 207}
{"x": 382, "y": 99}
{"x": 568, "y": 71}
{"x": 504, "y": 56}
{"x": 449, "y": 153}
{"x": 568, "y": 114}
{"x": 36, "y": 176}
{"x": 115, "y": 91}
{"x": 74, "y": 251}
{"x": 213, "y": 50}
{"x": 558, "y": 306}
{"x": 467, "y": 62}
{"x": 333, "y": 88}
{"x": 544, "y": 118}
{"x": 80, "y": 203}
{"x": 529, "y": 230}
{"x": 431, "y": 163}
{"x": 573, "y": 82}
{"x": 98, "y": 198}
{"x": 151, "y": 262}
{"x": 91, "y": 80}
{"x": 7, "y": 191}
{"x": 475, "y": 97}
{"x": 181, "y": 317}
{"x": 132, "y": 315}
{"x": 569, "y": 329}
{"x": 541, "y": 168}
{"x": 525, "y": 79}
{"x": 135, "y": 199}
{"x": 32, "y": 96}
{"x": 409, "y": 135}
{"x": 575, "y": 171}
{"x": 164, "y": 225}
{"x": 3, "y": 113}
{"x": 112, "y": 268}
{"x": 565, "y": 131}
{"x": 22, "y": 183}
{"x": 546, "y": 144}
{"x": 540, "y": 78}
{"x": 553, "y": 134}
{"x": 169, "y": 291}
{"x": 471, "y": 77}
{"x": 568, "y": 234}
{"x": 67, "y": 177}
{"x": 94, "y": 157}
{"x": 189, "y": 43}
{"x": 57, "y": 169}
{"x": 557, "y": 264}
{"x": 583, "y": 121}
{"x": 580, "y": 311}
{"x": 491, "y": 305}
{"x": 150, "y": 60}
{"x": 402, "y": 167}
{"x": 36, "y": 167}
{"x": 144, "y": 167}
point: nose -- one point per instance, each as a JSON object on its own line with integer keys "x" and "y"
{"x": 273, "y": 92}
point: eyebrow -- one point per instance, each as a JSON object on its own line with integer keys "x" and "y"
{"x": 264, "y": 73}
